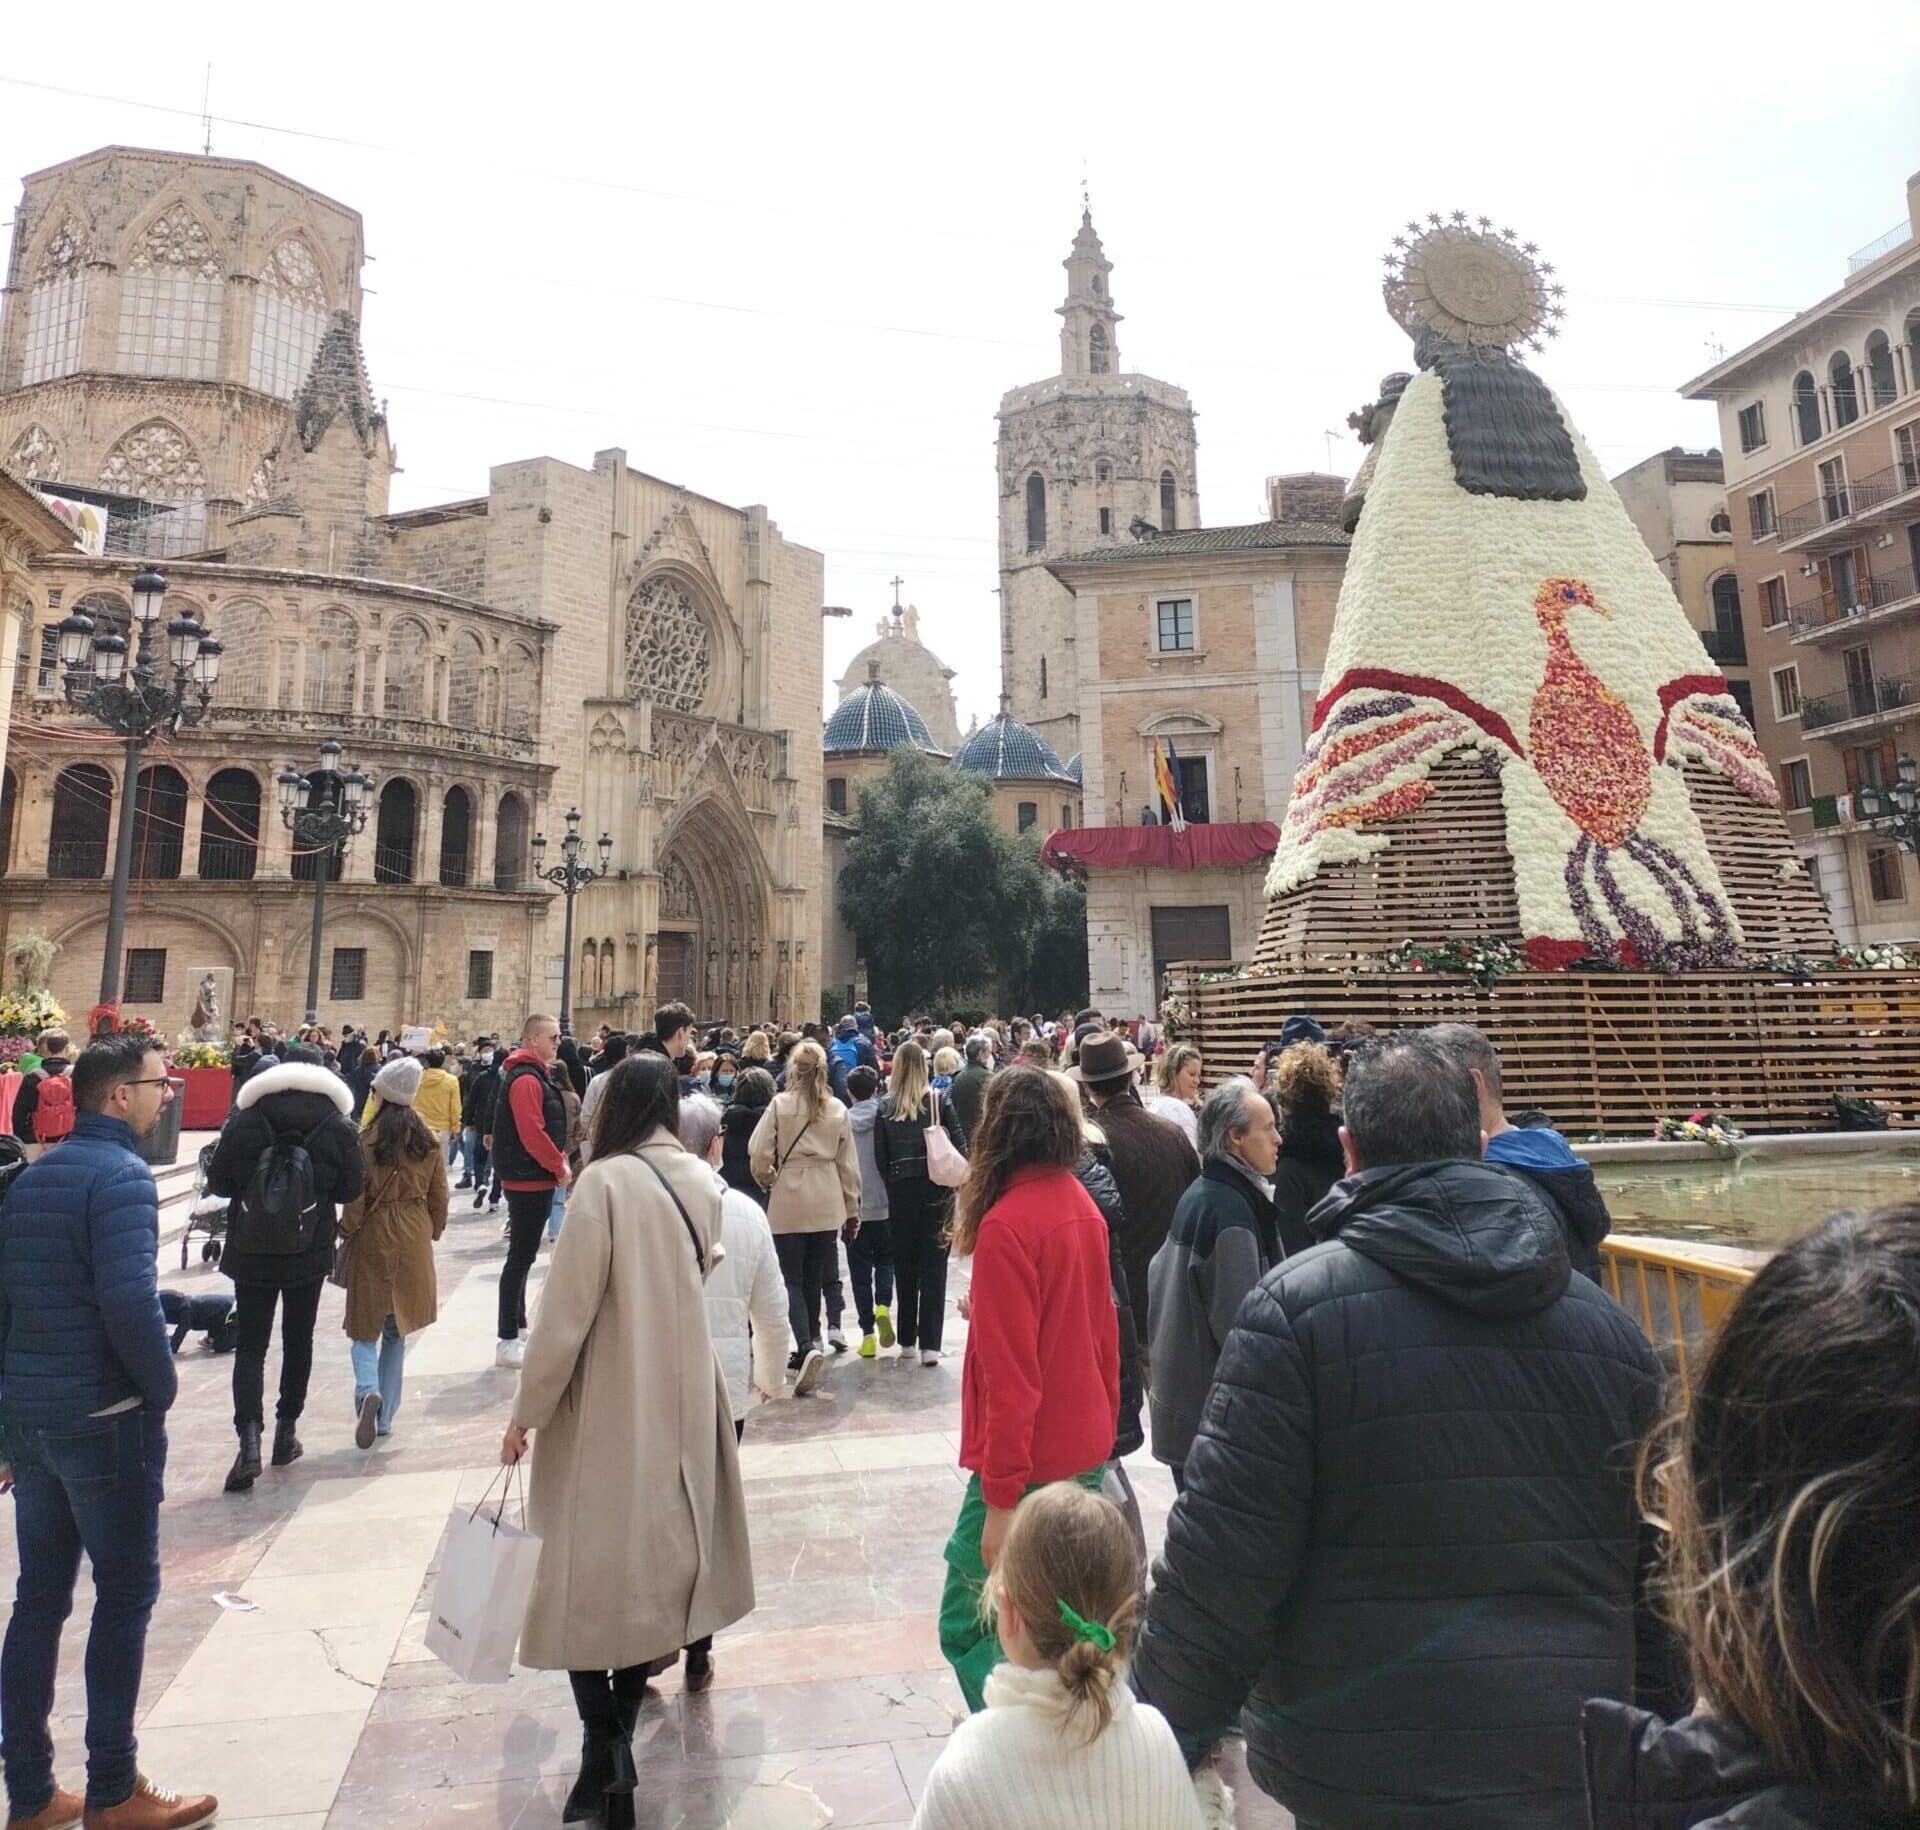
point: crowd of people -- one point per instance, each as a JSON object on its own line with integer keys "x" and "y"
{"x": 1445, "y": 1551}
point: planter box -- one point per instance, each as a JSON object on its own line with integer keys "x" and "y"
{"x": 209, "y": 1094}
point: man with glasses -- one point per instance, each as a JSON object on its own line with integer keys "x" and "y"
{"x": 86, "y": 1379}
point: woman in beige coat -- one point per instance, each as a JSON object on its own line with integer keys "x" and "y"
{"x": 390, "y": 1228}
{"x": 636, "y": 1494}
{"x": 803, "y": 1154}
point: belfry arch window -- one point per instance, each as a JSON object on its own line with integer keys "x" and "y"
{"x": 394, "y": 831}
{"x": 669, "y": 648}
{"x": 159, "y": 821}
{"x": 289, "y": 318}
{"x": 456, "y": 838}
{"x": 170, "y": 301}
{"x": 408, "y": 658}
{"x": 82, "y": 820}
{"x": 332, "y": 659}
{"x": 230, "y": 825}
{"x": 1036, "y": 512}
{"x": 157, "y": 462}
{"x": 1169, "y": 503}
{"x": 57, "y": 307}
{"x": 1097, "y": 350}
{"x": 510, "y": 843}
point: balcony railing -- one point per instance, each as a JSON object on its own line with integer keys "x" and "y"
{"x": 1861, "y": 699}
{"x": 1871, "y": 594}
{"x": 77, "y": 858}
{"x": 393, "y": 864}
{"x": 1727, "y": 646}
{"x": 1848, "y": 501}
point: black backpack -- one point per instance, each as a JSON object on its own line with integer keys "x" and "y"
{"x": 13, "y": 1159}
{"x": 277, "y": 1213}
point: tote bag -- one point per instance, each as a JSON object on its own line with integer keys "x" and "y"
{"x": 486, "y": 1579}
{"x": 946, "y": 1167}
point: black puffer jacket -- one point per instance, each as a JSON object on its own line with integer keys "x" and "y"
{"x": 736, "y": 1135}
{"x": 1408, "y": 1544}
{"x": 1095, "y": 1175}
{"x": 305, "y": 1102}
{"x": 1699, "y": 1774}
{"x": 1310, "y": 1164}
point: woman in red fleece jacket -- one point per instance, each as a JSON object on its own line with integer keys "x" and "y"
{"x": 1041, "y": 1389}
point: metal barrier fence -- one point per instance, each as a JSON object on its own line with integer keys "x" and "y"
{"x": 1679, "y": 1300}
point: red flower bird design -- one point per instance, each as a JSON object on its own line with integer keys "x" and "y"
{"x": 1584, "y": 742}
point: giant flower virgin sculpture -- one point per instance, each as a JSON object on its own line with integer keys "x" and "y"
{"x": 1498, "y": 599}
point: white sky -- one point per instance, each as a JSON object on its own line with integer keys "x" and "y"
{"x": 795, "y": 255}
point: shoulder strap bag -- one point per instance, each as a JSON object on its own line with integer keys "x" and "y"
{"x": 680, "y": 1207}
{"x": 946, "y": 1165}
{"x": 343, "y": 1247}
{"x": 779, "y": 1161}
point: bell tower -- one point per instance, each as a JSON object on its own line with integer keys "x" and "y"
{"x": 1083, "y": 456}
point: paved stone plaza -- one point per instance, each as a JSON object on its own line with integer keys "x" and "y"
{"x": 321, "y": 1706}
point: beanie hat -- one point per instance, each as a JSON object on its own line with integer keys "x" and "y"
{"x": 399, "y": 1080}
{"x": 1300, "y": 1028}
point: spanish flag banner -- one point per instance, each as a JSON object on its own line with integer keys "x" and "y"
{"x": 1167, "y": 780}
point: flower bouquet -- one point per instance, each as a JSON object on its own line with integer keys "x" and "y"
{"x": 1702, "y": 1127}
{"x": 27, "y": 1013}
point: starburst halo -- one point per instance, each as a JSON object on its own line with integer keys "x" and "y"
{"x": 1473, "y": 284}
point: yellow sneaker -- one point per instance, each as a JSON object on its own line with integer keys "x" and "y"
{"x": 883, "y": 1321}
{"x": 867, "y": 1347}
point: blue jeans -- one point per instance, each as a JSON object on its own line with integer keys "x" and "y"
{"x": 471, "y": 1155}
{"x": 557, "y": 1214}
{"x": 94, "y": 1486}
{"x": 870, "y": 1260}
{"x": 380, "y": 1366}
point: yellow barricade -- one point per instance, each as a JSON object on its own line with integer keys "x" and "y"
{"x": 1678, "y": 1299}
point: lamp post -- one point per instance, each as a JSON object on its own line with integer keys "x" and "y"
{"x": 169, "y": 684}
{"x": 323, "y": 811}
{"x": 571, "y": 877}
{"x": 1895, "y": 810}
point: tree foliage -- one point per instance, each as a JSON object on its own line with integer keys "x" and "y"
{"x": 943, "y": 904}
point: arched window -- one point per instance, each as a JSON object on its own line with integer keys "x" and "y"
{"x": 57, "y": 307}
{"x": 157, "y": 462}
{"x": 306, "y": 859}
{"x": 1726, "y": 604}
{"x": 333, "y": 662}
{"x": 159, "y": 821}
{"x": 1846, "y": 399}
{"x": 230, "y": 826}
{"x": 246, "y": 661}
{"x": 408, "y": 659}
{"x": 518, "y": 679}
{"x": 35, "y": 456}
{"x": 393, "y": 832}
{"x": 510, "y": 844}
{"x": 1720, "y": 522}
{"x": 1881, "y": 387}
{"x": 1036, "y": 512}
{"x": 1806, "y": 407}
{"x": 9, "y": 801}
{"x": 1043, "y": 676}
{"x": 289, "y": 317}
{"x": 669, "y": 647}
{"x": 1103, "y": 472}
{"x": 82, "y": 819}
{"x": 467, "y": 696}
{"x": 1169, "y": 503}
{"x": 456, "y": 839}
{"x": 1097, "y": 350}
{"x": 170, "y": 301}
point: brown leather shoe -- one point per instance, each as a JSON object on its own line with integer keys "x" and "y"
{"x": 149, "y": 1808}
{"x": 62, "y": 1813}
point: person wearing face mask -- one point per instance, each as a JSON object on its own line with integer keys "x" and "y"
{"x": 720, "y": 1080}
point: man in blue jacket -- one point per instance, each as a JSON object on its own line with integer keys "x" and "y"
{"x": 86, "y": 1379}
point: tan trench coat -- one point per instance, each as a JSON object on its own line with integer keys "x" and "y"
{"x": 635, "y": 1492}
{"x": 393, "y": 1223}
{"x": 817, "y": 1188}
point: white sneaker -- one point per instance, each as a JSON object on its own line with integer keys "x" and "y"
{"x": 809, "y": 1374}
{"x": 837, "y": 1340}
{"x": 510, "y": 1354}
{"x": 931, "y": 1356}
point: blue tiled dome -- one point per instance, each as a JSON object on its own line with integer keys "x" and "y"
{"x": 875, "y": 717}
{"x": 1076, "y": 766}
{"x": 1005, "y": 750}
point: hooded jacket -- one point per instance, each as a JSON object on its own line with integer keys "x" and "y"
{"x": 304, "y": 1102}
{"x": 1408, "y": 1546}
{"x": 1700, "y": 1774}
{"x": 1544, "y": 1159}
{"x": 737, "y": 1124}
{"x": 1094, "y": 1174}
{"x": 864, "y": 1116}
{"x": 1310, "y": 1163}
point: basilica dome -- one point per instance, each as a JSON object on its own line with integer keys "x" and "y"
{"x": 874, "y": 718}
{"x": 1005, "y": 750}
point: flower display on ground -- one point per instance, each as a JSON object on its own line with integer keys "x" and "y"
{"x": 1699, "y": 1128}
{"x": 1541, "y": 634}
{"x": 27, "y": 1013}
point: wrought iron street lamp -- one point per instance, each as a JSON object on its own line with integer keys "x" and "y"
{"x": 323, "y": 811}
{"x": 168, "y": 684}
{"x": 1894, "y": 810}
{"x": 571, "y": 877}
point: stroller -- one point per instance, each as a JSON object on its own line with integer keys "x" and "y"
{"x": 207, "y": 1216}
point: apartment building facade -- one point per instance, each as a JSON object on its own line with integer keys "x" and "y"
{"x": 1820, "y": 426}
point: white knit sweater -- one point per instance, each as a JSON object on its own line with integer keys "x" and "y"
{"x": 1015, "y": 1766}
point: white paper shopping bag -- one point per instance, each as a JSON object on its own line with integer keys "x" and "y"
{"x": 486, "y": 1575}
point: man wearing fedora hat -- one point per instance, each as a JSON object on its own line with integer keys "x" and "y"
{"x": 1152, "y": 1160}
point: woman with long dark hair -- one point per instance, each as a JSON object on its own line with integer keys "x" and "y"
{"x": 620, "y": 1382}
{"x": 1788, "y": 1487}
{"x": 390, "y": 1228}
{"x": 1042, "y": 1327}
{"x": 918, "y": 1208}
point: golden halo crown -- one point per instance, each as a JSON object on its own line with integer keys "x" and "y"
{"x": 1473, "y": 284}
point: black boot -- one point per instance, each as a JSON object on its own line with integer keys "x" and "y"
{"x": 286, "y": 1445}
{"x": 246, "y": 1465}
{"x": 587, "y": 1802}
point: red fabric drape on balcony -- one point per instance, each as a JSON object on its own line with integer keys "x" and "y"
{"x": 1121, "y": 848}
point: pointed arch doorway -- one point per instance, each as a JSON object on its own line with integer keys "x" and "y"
{"x": 711, "y": 945}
